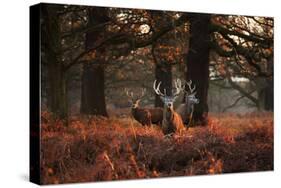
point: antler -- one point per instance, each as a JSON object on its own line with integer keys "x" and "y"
{"x": 129, "y": 94}
{"x": 143, "y": 90}
{"x": 179, "y": 87}
{"x": 157, "y": 89}
{"x": 190, "y": 87}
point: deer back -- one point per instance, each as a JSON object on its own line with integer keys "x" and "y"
{"x": 142, "y": 115}
{"x": 156, "y": 115}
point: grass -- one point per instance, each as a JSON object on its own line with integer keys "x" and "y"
{"x": 101, "y": 149}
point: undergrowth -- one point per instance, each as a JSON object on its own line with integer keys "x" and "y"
{"x": 100, "y": 149}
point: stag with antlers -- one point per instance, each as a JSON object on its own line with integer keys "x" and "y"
{"x": 146, "y": 116}
{"x": 172, "y": 121}
{"x": 186, "y": 109}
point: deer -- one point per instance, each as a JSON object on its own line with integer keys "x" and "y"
{"x": 145, "y": 116}
{"x": 186, "y": 109}
{"x": 172, "y": 121}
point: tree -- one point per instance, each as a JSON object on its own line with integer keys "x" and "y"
{"x": 58, "y": 47}
{"x": 108, "y": 36}
{"x": 244, "y": 48}
{"x": 169, "y": 49}
{"x": 51, "y": 47}
{"x": 198, "y": 62}
{"x": 92, "y": 88}
{"x": 163, "y": 74}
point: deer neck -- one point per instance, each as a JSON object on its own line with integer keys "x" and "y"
{"x": 134, "y": 109}
{"x": 167, "y": 113}
{"x": 187, "y": 101}
{"x": 188, "y": 105}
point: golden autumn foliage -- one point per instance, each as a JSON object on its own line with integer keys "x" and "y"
{"x": 101, "y": 149}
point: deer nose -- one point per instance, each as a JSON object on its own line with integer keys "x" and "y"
{"x": 169, "y": 105}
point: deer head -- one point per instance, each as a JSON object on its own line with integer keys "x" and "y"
{"x": 190, "y": 94}
{"x": 135, "y": 100}
{"x": 168, "y": 100}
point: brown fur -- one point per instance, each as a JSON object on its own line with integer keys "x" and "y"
{"x": 148, "y": 116}
{"x": 183, "y": 112}
{"x": 172, "y": 123}
{"x": 142, "y": 115}
{"x": 156, "y": 115}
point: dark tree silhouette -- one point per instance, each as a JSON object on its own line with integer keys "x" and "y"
{"x": 56, "y": 77}
{"x": 92, "y": 90}
{"x": 198, "y": 62}
{"x": 163, "y": 74}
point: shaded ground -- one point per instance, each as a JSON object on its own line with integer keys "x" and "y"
{"x": 100, "y": 149}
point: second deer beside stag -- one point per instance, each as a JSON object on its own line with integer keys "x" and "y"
{"x": 186, "y": 109}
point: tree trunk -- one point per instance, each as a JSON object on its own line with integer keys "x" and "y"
{"x": 198, "y": 63}
{"x": 92, "y": 89}
{"x": 57, "y": 99}
{"x": 56, "y": 76}
{"x": 269, "y": 95}
{"x": 93, "y": 98}
{"x": 163, "y": 74}
{"x": 265, "y": 96}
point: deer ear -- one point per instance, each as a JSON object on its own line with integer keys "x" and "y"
{"x": 162, "y": 99}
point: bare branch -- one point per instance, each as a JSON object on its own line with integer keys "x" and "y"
{"x": 236, "y": 102}
{"x": 124, "y": 38}
{"x": 218, "y": 28}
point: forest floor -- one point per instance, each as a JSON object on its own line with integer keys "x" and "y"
{"x": 100, "y": 149}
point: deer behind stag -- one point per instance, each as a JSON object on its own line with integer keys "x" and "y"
{"x": 145, "y": 116}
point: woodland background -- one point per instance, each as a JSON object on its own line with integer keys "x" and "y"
{"x": 90, "y": 54}
{"x": 15, "y": 121}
